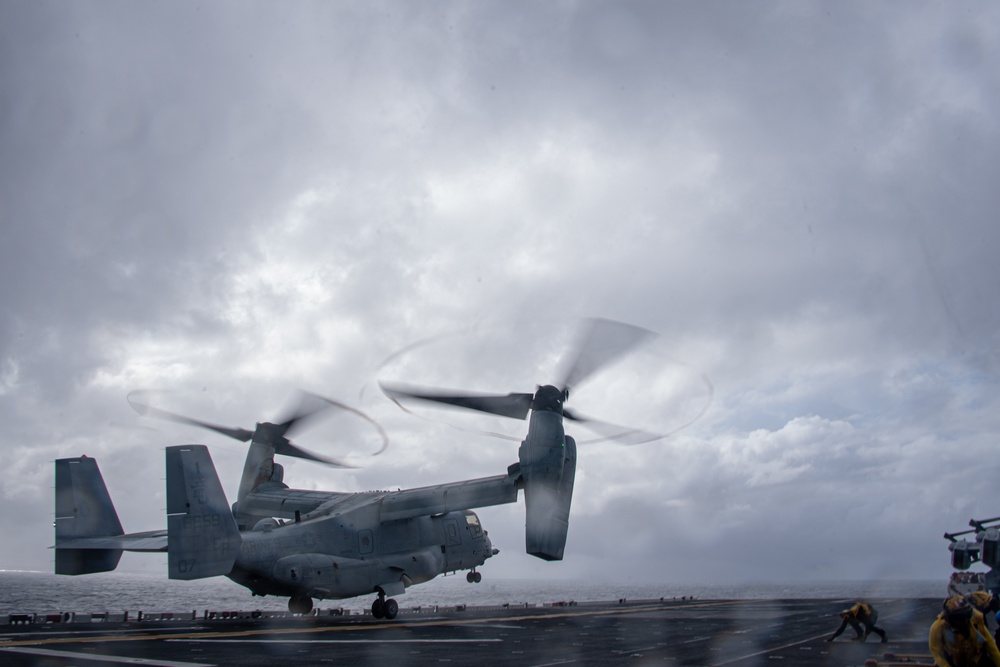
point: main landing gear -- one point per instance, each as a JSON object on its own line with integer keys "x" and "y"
{"x": 383, "y": 608}
{"x": 474, "y": 577}
{"x": 300, "y": 605}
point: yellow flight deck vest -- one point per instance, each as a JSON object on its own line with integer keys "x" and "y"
{"x": 981, "y": 600}
{"x": 951, "y": 649}
{"x": 859, "y": 611}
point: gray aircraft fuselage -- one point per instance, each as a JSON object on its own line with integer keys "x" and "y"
{"x": 330, "y": 557}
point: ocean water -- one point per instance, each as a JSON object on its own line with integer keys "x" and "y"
{"x": 43, "y": 592}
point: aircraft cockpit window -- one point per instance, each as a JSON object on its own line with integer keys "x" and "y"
{"x": 474, "y": 528}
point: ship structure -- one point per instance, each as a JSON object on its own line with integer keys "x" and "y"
{"x": 979, "y": 544}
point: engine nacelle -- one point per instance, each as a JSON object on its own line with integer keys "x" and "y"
{"x": 548, "y": 470}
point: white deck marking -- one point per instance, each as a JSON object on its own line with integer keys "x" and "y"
{"x": 125, "y": 660}
{"x": 99, "y": 633}
{"x": 770, "y": 650}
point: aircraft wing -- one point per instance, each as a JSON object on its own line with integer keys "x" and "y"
{"x": 148, "y": 541}
{"x": 283, "y": 503}
{"x": 450, "y": 497}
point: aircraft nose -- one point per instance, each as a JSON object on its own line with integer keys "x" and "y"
{"x": 490, "y": 550}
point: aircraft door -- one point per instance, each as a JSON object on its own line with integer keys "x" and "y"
{"x": 366, "y": 542}
{"x": 451, "y": 533}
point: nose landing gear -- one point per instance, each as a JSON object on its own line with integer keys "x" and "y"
{"x": 474, "y": 577}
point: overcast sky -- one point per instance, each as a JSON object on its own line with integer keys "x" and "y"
{"x": 226, "y": 202}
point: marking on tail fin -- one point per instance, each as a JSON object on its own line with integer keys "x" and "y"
{"x": 203, "y": 539}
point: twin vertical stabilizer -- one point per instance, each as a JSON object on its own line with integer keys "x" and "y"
{"x": 84, "y": 512}
{"x": 201, "y": 540}
{"x": 202, "y": 536}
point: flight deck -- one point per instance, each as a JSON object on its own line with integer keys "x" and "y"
{"x": 699, "y": 633}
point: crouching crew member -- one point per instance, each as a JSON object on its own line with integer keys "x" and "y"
{"x": 861, "y": 614}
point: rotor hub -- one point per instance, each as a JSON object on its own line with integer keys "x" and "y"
{"x": 549, "y": 398}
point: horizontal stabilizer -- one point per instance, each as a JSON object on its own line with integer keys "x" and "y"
{"x": 150, "y": 541}
{"x": 203, "y": 539}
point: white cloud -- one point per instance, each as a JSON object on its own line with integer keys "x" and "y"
{"x": 800, "y": 201}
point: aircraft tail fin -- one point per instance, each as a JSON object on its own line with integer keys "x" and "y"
{"x": 202, "y": 536}
{"x": 84, "y": 510}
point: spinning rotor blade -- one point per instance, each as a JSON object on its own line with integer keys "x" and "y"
{"x": 609, "y": 431}
{"x": 286, "y": 448}
{"x": 309, "y": 405}
{"x": 346, "y": 408}
{"x": 274, "y": 435}
{"x": 240, "y": 434}
{"x": 602, "y": 342}
{"x": 511, "y": 405}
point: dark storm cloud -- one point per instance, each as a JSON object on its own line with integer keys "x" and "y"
{"x": 229, "y": 201}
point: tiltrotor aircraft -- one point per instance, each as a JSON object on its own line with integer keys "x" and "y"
{"x": 308, "y": 545}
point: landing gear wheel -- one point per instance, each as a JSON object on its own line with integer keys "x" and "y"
{"x": 474, "y": 577}
{"x": 478, "y": 577}
{"x": 300, "y": 605}
{"x": 378, "y": 608}
{"x": 390, "y": 609}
